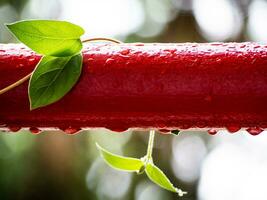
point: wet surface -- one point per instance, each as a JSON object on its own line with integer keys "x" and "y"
{"x": 166, "y": 86}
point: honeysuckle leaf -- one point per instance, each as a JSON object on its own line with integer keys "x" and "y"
{"x": 49, "y": 37}
{"x": 53, "y": 78}
{"x": 158, "y": 177}
{"x": 119, "y": 162}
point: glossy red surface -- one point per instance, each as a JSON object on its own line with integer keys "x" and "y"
{"x": 147, "y": 85}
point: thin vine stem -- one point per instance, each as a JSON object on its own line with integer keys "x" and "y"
{"x": 150, "y": 145}
{"x": 17, "y": 83}
{"x": 102, "y": 39}
{"x": 27, "y": 77}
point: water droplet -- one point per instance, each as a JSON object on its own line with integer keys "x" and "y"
{"x": 71, "y": 130}
{"x": 231, "y": 46}
{"x": 139, "y": 44}
{"x": 14, "y": 128}
{"x": 34, "y": 130}
{"x": 118, "y": 130}
{"x": 164, "y": 131}
{"x": 216, "y": 44}
{"x": 90, "y": 59}
{"x": 125, "y": 52}
{"x": 212, "y": 131}
{"x": 254, "y": 130}
{"x": 31, "y": 59}
{"x": 19, "y": 65}
{"x": 242, "y": 46}
{"x": 109, "y": 61}
{"x": 233, "y": 128}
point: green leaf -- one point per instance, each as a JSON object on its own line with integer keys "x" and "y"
{"x": 175, "y": 132}
{"x": 120, "y": 162}
{"x": 53, "y": 78}
{"x": 158, "y": 177}
{"x": 49, "y": 37}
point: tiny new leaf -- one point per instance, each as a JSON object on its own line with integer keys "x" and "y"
{"x": 158, "y": 177}
{"x": 175, "y": 132}
{"x": 49, "y": 37}
{"x": 120, "y": 162}
{"x": 53, "y": 78}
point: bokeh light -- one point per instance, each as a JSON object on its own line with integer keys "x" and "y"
{"x": 148, "y": 191}
{"x": 107, "y": 182}
{"x": 53, "y": 165}
{"x": 188, "y": 152}
{"x": 104, "y": 18}
{"x": 218, "y": 20}
{"x": 235, "y": 169}
{"x": 257, "y": 29}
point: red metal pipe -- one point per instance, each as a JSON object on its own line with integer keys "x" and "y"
{"x": 147, "y": 85}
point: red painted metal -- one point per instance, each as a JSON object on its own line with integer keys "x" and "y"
{"x": 147, "y": 85}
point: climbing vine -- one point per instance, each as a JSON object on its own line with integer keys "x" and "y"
{"x": 59, "y": 69}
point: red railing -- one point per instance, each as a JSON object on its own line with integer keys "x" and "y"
{"x": 147, "y": 85}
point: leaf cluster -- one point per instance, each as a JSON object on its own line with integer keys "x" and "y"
{"x": 60, "y": 67}
{"x": 139, "y": 166}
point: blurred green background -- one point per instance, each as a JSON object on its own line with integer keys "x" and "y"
{"x": 53, "y": 165}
